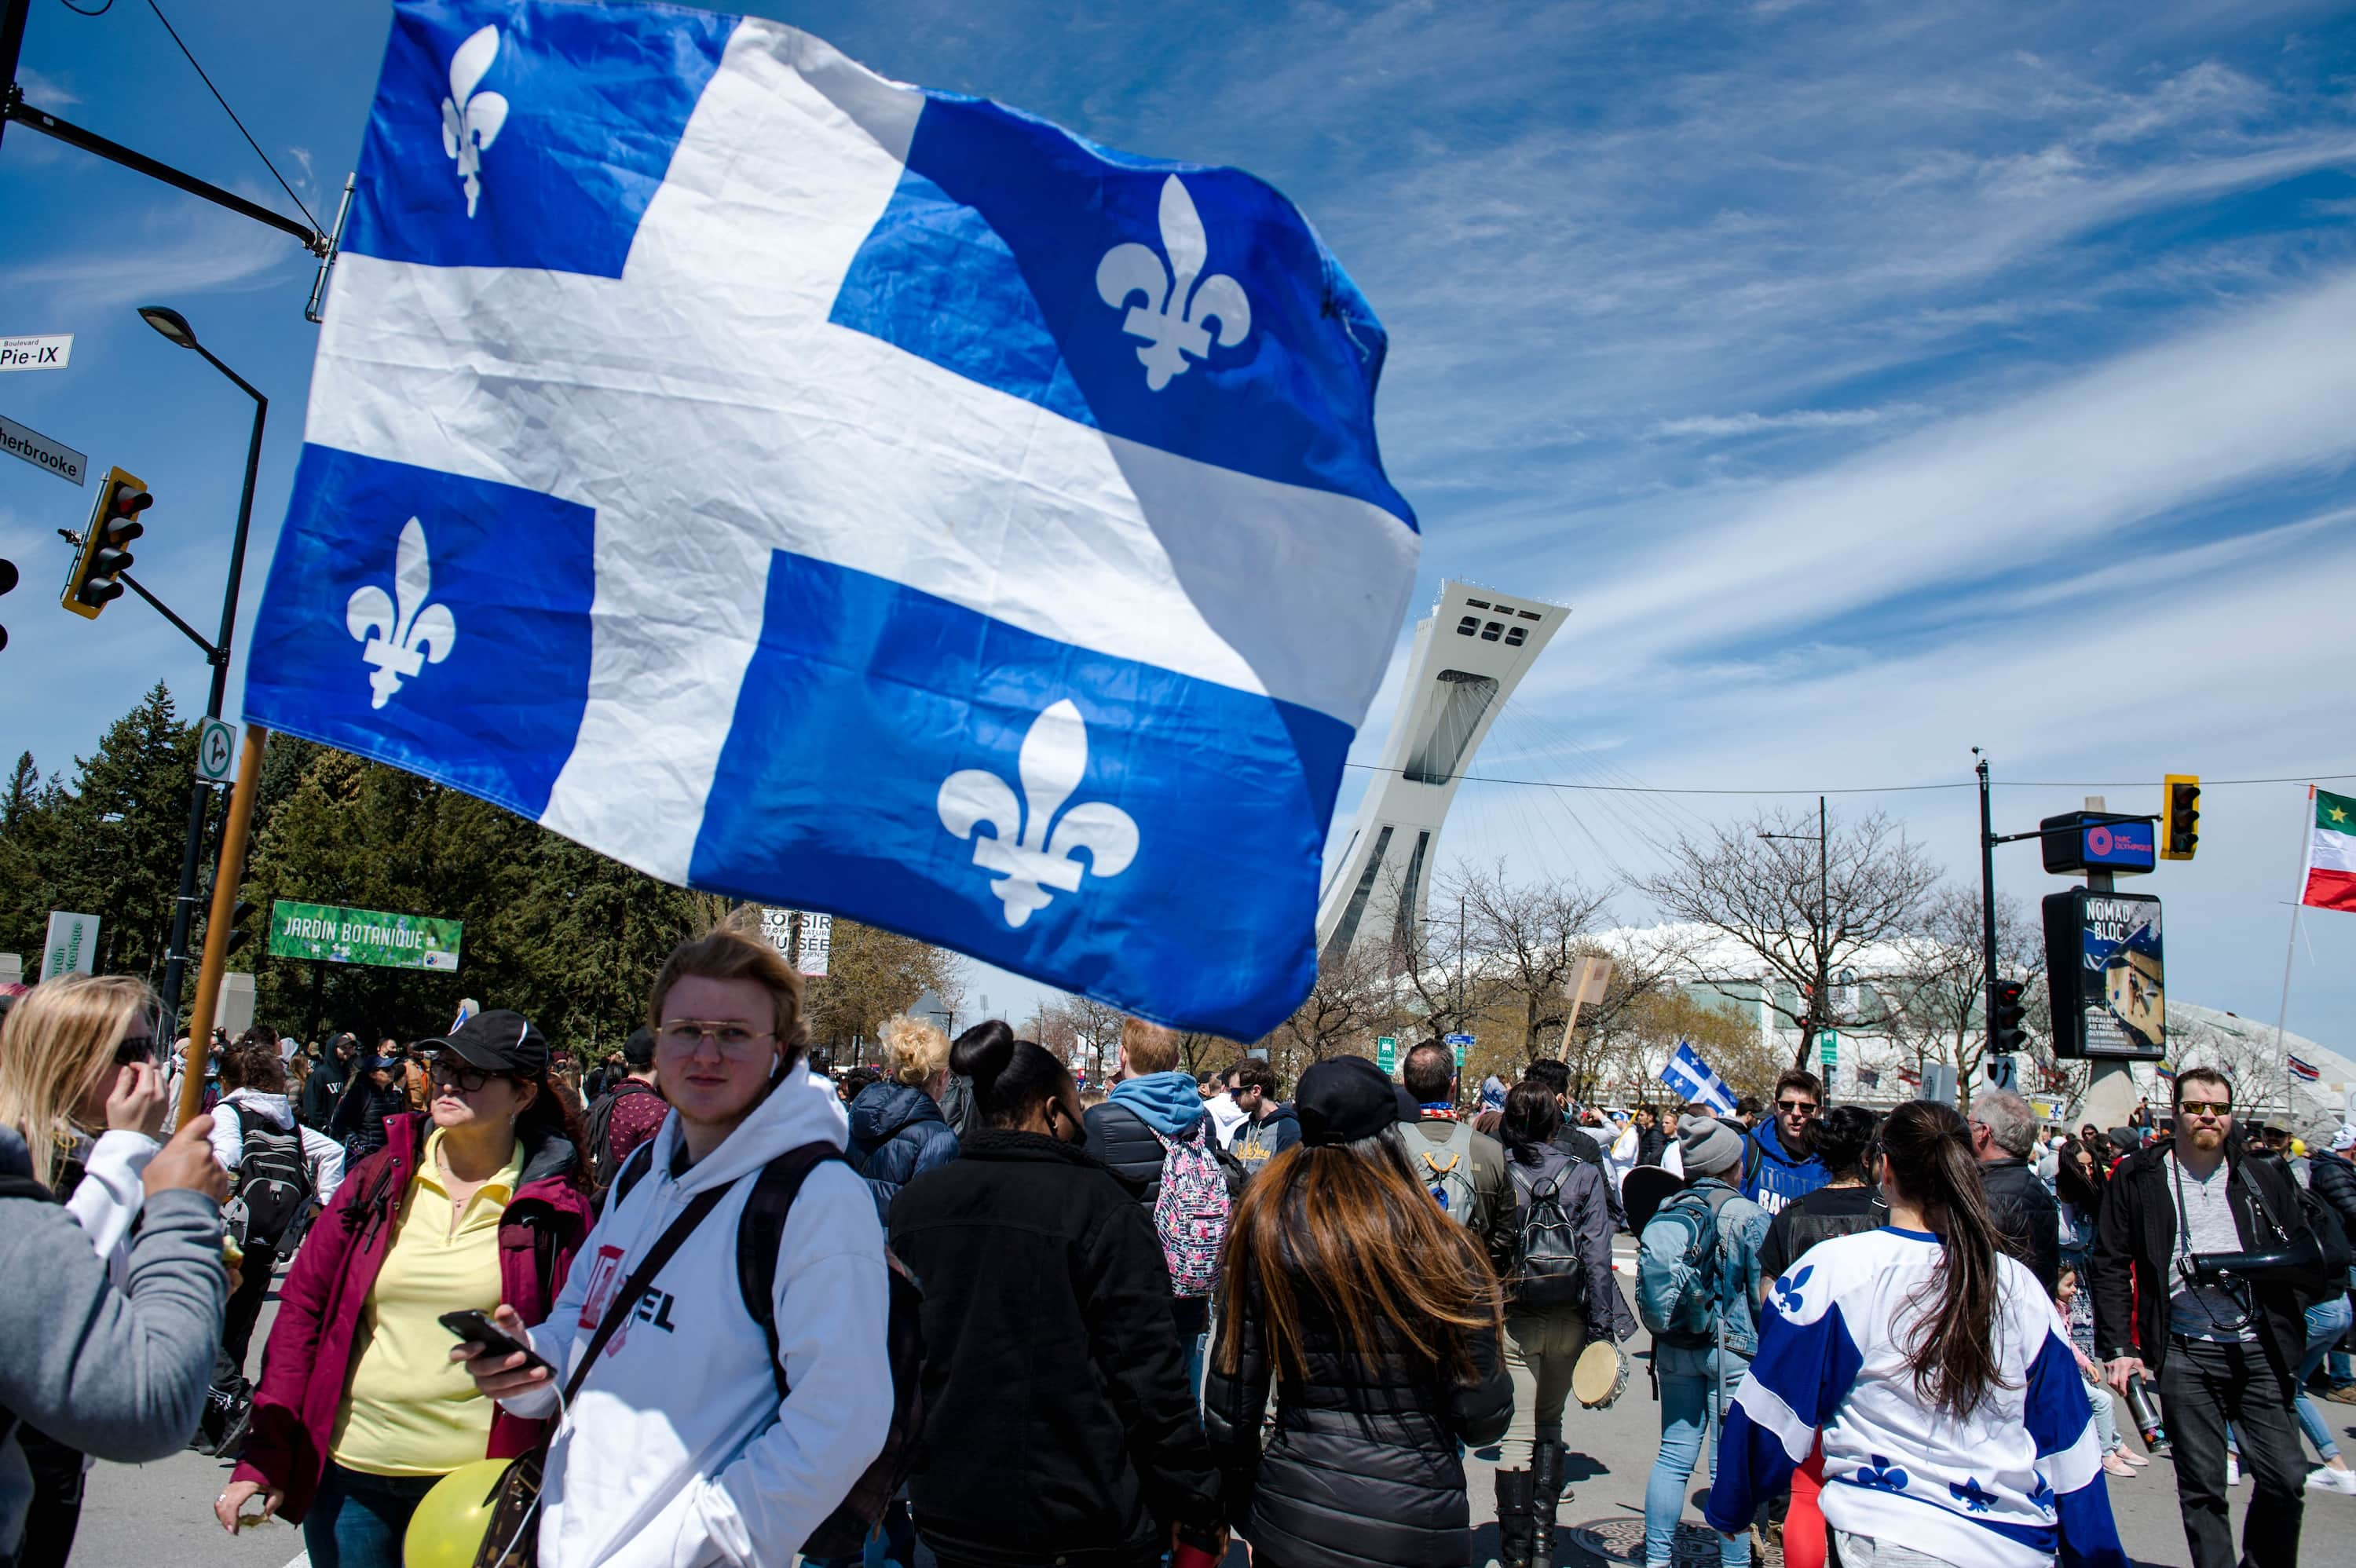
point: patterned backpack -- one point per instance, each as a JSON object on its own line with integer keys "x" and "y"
{"x": 1192, "y": 1211}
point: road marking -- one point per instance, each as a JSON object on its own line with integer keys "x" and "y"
{"x": 300, "y": 1559}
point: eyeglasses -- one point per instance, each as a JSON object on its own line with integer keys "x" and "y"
{"x": 458, "y": 1075}
{"x": 2204, "y": 1107}
{"x": 733, "y": 1040}
{"x": 1795, "y": 1107}
{"x": 136, "y": 1049}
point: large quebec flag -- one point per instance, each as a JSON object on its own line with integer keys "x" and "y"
{"x": 824, "y": 491}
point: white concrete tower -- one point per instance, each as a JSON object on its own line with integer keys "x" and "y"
{"x": 1470, "y": 653}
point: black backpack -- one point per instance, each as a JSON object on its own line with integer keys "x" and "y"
{"x": 598, "y": 1128}
{"x": 1549, "y": 1271}
{"x": 760, "y": 1232}
{"x": 274, "y": 1180}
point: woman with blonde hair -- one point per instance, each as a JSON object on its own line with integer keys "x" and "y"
{"x": 897, "y": 1131}
{"x": 1378, "y": 1320}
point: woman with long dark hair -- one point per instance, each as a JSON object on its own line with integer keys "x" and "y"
{"x": 482, "y": 1200}
{"x": 1563, "y": 1214}
{"x": 2078, "y": 1182}
{"x": 1378, "y": 1320}
{"x": 1955, "y": 1422}
{"x": 1046, "y": 1326}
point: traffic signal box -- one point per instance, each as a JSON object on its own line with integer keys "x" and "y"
{"x": 2181, "y": 824}
{"x": 95, "y": 581}
{"x": 2010, "y": 1014}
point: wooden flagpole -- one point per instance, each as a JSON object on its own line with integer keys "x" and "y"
{"x": 231, "y": 872}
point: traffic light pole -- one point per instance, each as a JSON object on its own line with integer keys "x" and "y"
{"x": 175, "y": 960}
{"x": 1988, "y": 908}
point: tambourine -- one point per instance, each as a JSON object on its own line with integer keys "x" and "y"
{"x": 1600, "y": 1374}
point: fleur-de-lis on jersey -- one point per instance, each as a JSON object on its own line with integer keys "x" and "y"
{"x": 1974, "y": 1497}
{"x": 471, "y": 120}
{"x": 1881, "y": 1475}
{"x": 400, "y": 641}
{"x": 1787, "y": 1290}
{"x": 1173, "y": 319}
{"x": 1043, "y": 854}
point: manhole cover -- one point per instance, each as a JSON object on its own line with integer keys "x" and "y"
{"x": 1622, "y": 1541}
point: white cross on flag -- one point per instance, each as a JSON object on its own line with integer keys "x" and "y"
{"x": 845, "y": 496}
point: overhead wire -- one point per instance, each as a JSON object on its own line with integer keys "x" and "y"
{"x": 1643, "y": 789}
{"x": 233, "y": 120}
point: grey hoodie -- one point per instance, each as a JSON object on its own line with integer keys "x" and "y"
{"x": 119, "y": 1374}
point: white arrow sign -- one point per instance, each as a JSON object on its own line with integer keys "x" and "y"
{"x": 217, "y": 751}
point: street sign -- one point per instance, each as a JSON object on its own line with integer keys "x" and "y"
{"x": 339, "y": 935}
{"x": 49, "y": 456}
{"x": 2002, "y": 1072}
{"x": 71, "y": 947}
{"x": 1939, "y": 1082}
{"x": 1460, "y": 1043}
{"x": 217, "y": 751}
{"x": 1387, "y": 1053}
{"x": 1828, "y": 1047}
{"x": 53, "y": 351}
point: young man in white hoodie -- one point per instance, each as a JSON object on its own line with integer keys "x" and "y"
{"x": 678, "y": 1446}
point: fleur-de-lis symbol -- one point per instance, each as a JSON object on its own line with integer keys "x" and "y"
{"x": 471, "y": 120}
{"x": 2041, "y": 1494}
{"x": 1787, "y": 1290}
{"x": 1174, "y": 318}
{"x": 400, "y": 642}
{"x": 1881, "y": 1475}
{"x": 1974, "y": 1497}
{"x": 1043, "y": 854}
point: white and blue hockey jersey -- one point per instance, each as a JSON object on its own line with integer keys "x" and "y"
{"x": 2015, "y": 1484}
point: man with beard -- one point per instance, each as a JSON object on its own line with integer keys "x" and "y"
{"x": 2223, "y": 1350}
{"x": 1779, "y": 1161}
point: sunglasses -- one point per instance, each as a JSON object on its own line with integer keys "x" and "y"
{"x": 458, "y": 1075}
{"x": 1795, "y": 1107}
{"x": 139, "y": 1048}
{"x": 2204, "y": 1107}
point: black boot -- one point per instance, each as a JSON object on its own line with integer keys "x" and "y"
{"x": 1514, "y": 1518}
{"x": 1546, "y": 1493}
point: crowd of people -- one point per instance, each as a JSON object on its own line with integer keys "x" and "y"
{"x": 710, "y": 1305}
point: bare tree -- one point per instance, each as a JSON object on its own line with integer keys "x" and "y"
{"x": 1083, "y": 1031}
{"x": 1352, "y": 1002}
{"x": 1804, "y": 923}
{"x": 1937, "y": 1003}
{"x": 1531, "y": 935}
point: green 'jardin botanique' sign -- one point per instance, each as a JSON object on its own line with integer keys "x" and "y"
{"x": 339, "y": 935}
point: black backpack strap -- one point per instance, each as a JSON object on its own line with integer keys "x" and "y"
{"x": 625, "y": 1299}
{"x": 761, "y": 1233}
{"x": 641, "y": 1160}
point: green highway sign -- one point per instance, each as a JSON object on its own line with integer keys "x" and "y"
{"x": 1828, "y": 1047}
{"x": 337, "y": 935}
{"x": 1387, "y": 1051}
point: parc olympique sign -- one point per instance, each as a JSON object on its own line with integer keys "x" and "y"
{"x": 338, "y": 935}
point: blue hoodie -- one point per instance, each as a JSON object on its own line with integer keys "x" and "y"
{"x": 1772, "y": 1178}
{"x": 1169, "y": 1103}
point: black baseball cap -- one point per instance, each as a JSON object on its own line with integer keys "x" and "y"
{"x": 500, "y": 1040}
{"x": 1343, "y": 1099}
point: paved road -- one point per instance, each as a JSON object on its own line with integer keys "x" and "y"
{"x": 159, "y": 1516}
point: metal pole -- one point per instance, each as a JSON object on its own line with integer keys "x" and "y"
{"x": 1824, "y": 923}
{"x": 12, "y": 46}
{"x": 1987, "y": 912}
{"x": 176, "y": 961}
{"x": 2282, "y": 1013}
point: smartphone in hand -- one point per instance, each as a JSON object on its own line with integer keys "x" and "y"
{"x": 481, "y": 1329}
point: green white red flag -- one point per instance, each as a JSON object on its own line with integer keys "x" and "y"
{"x": 2332, "y": 853}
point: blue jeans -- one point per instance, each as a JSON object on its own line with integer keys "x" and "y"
{"x": 358, "y": 1520}
{"x": 1690, "y": 1383}
{"x": 2326, "y": 1321}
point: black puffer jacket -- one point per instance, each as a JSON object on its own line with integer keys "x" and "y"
{"x": 1059, "y": 1426}
{"x": 2332, "y": 1179}
{"x": 2024, "y": 1210}
{"x": 1363, "y": 1469}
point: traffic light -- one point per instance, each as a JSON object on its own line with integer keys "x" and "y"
{"x": 2007, "y": 1015}
{"x": 237, "y": 931}
{"x": 106, "y": 544}
{"x": 8, "y": 581}
{"x": 2180, "y": 829}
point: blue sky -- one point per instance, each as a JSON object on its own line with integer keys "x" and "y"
{"x": 1872, "y": 381}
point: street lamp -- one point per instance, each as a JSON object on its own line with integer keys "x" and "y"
{"x": 1819, "y": 1004}
{"x": 175, "y": 329}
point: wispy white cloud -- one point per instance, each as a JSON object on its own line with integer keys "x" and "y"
{"x": 1749, "y": 423}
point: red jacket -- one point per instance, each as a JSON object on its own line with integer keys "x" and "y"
{"x": 309, "y": 1356}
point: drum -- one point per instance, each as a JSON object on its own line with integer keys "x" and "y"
{"x": 1600, "y": 1374}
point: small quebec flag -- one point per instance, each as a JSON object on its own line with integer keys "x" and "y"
{"x": 832, "y": 492}
{"x": 1697, "y": 1080}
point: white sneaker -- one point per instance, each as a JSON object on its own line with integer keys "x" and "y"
{"x": 2327, "y": 1479}
{"x": 2232, "y": 1471}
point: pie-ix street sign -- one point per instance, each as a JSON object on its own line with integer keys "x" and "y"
{"x": 53, "y": 351}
